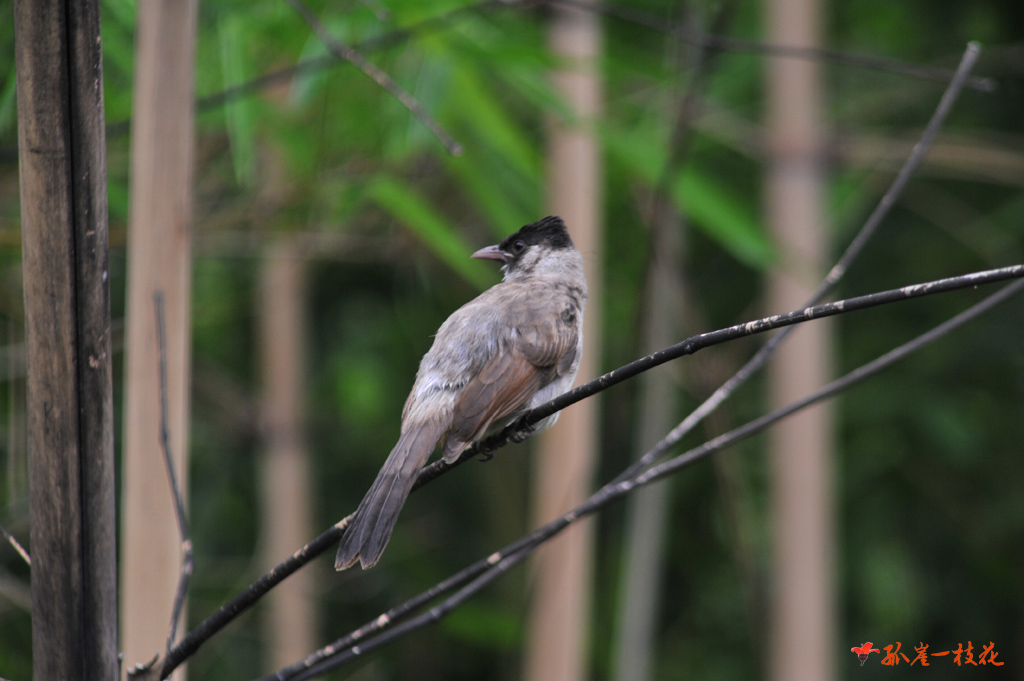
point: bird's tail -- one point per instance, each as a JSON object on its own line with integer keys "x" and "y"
{"x": 368, "y": 533}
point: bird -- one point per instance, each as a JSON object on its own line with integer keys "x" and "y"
{"x": 514, "y": 347}
{"x": 863, "y": 652}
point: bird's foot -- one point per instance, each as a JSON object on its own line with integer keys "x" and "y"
{"x": 522, "y": 433}
{"x": 486, "y": 451}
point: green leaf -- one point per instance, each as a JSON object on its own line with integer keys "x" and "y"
{"x": 7, "y": 104}
{"x": 121, "y": 10}
{"x": 490, "y": 192}
{"x": 416, "y": 213}
{"x": 709, "y": 205}
{"x": 722, "y": 216}
{"x": 238, "y": 113}
{"x": 304, "y": 87}
{"x": 479, "y": 109}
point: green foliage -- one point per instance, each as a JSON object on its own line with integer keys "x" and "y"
{"x": 7, "y": 105}
{"x": 707, "y": 203}
{"x": 928, "y": 467}
{"x": 238, "y": 113}
{"x": 415, "y": 213}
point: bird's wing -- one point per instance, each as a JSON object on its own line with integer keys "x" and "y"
{"x": 504, "y": 384}
{"x": 542, "y": 347}
{"x": 549, "y": 334}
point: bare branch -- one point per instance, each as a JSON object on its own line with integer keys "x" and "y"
{"x": 187, "y": 564}
{"x": 226, "y": 613}
{"x": 316, "y": 64}
{"x": 931, "y": 131}
{"x": 205, "y": 630}
{"x": 705, "y": 340}
{"x": 311, "y": 664}
{"x": 681, "y": 137}
{"x": 352, "y": 56}
{"x": 195, "y": 638}
{"x": 855, "y": 248}
{"x": 442, "y": 21}
{"x": 502, "y": 564}
{"x": 483, "y": 572}
{"x": 9, "y": 538}
{"x": 727, "y": 44}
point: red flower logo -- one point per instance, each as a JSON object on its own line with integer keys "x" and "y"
{"x": 863, "y": 652}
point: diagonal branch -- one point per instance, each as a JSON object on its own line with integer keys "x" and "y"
{"x": 9, "y": 538}
{"x": 384, "y": 629}
{"x": 855, "y": 248}
{"x": 229, "y": 611}
{"x": 442, "y": 21}
{"x": 351, "y": 55}
{"x": 727, "y": 44}
{"x": 696, "y": 343}
{"x": 195, "y": 638}
{"x": 187, "y": 563}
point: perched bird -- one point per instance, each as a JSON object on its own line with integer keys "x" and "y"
{"x": 515, "y": 346}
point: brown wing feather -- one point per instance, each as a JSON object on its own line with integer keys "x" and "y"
{"x": 545, "y": 341}
{"x": 503, "y": 386}
{"x": 548, "y": 333}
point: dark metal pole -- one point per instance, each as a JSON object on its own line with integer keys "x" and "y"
{"x": 67, "y": 311}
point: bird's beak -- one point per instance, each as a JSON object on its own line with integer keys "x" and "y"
{"x": 491, "y": 253}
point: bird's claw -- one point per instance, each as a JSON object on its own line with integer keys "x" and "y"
{"x": 522, "y": 433}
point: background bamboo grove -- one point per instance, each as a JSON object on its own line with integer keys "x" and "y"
{"x": 330, "y": 233}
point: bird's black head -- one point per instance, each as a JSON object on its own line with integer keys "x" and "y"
{"x": 550, "y": 232}
{"x": 538, "y": 248}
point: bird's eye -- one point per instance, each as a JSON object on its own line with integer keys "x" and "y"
{"x": 518, "y": 247}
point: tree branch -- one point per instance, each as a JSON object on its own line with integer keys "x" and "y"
{"x": 483, "y": 572}
{"x": 224, "y": 615}
{"x": 400, "y": 35}
{"x": 187, "y": 564}
{"x": 855, "y": 248}
{"x": 352, "y": 56}
{"x": 727, "y": 44}
{"x": 228, "y": 612}
{"x": 195, "y": 638}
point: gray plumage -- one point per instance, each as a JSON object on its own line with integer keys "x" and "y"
{"x": 515, "y": 346}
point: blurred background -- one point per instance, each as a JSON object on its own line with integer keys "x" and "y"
{"x": 330, "y": 234}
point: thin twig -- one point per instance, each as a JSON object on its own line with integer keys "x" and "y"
{"x": 681, "y": 137}
{"x": 441, "y": 21}
{"x": 187, "y": 564}
{"x": 931, "y": 131}
{"x": 855, "y": 248}
{"x": 834, "y": 276}
{"x": 220, "y": 618}
{"x": 15, "y": 545}
{"x": 351, "y": 55}
{"x": 435, "y": 614}
{"x": 195, "y": 638}
{"x": 763, "y": 325}
{"x": 483, "y": 572}
{"x": 727, "y": 44}
{"x": 316, "y": 64}
{"x": 226, "y": 613}
{"x": 313, "y": 65}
